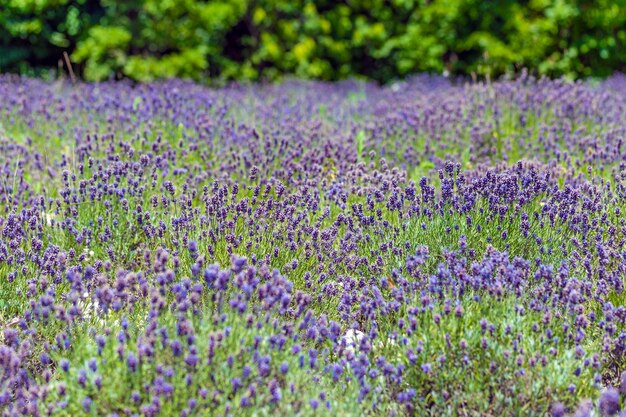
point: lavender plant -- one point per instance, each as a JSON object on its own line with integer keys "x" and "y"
{"x": 427, "y": 248}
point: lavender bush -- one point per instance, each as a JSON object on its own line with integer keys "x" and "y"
{"x": 426, "y": 248}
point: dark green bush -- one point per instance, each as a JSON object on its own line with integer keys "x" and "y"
{"x": 252, "y": 39}
{"x": 34, "y": 33}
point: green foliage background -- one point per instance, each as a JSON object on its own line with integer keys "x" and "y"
{"x": 325, "y": 39}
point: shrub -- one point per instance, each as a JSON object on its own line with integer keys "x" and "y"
{"x": 252, "y": 39}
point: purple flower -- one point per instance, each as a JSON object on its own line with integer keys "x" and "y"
{"x": 132, "y": 362}
{"x": 557, "y": 410}
{"x": 236, "y": 384}
{"x": 609, "y": 402}
{"x": 86, "y": 403}
{"x": 191, "y": 360}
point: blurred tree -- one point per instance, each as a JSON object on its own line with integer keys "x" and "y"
{"x": 34, "y": 33}
{"x": 147, "y": 39}
{"x": 252, "y": 39}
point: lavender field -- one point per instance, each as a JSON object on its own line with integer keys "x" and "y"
{"x": 429, "y": 248}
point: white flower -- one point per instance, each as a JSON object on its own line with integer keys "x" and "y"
{"x": 352, "y": 338}
{"x": 49, "y": 218}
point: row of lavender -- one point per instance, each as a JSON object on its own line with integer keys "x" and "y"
{"x": 313, "y": 249}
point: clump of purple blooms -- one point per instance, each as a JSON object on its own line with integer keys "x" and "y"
{"x": 426, "y": 248}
